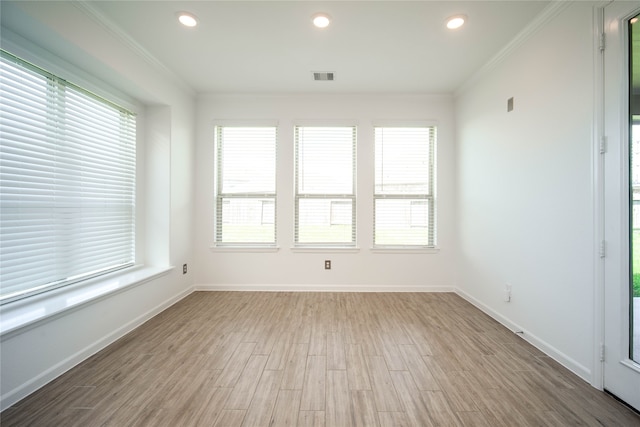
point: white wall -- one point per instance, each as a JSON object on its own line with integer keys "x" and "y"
{"x": 285, "y": 269}
{"x": 69, "y": 35}
{"x": 524, "y": 188}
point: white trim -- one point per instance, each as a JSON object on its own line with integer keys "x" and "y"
{"x": 597, "y": 194}
{"x": 20, "y": 392}
{"x": 19, "y": 316}
{"x": 384, "y": 123}
{"x": 230, "y": 248}
{"x": 631, "y": 364}
{"x": 321, "y": 288}
{"x": 107, "y": 24}
{"x": 331, "y": 123}
{"x": 549, "y": 13}
{"x": 245, "y": 123}
{"x": 575, "y": 367}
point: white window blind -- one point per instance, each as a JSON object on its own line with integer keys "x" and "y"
{"x": 246, "y": 186}
{"x": 325, "y": 208}
{"x": 67, "y": 182}
{"x": 404, "y": 203}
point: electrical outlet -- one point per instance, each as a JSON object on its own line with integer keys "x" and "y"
{"x": 327, "y": 264}
{"x": 184, "y": 268}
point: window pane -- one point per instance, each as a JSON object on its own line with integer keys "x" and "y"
{"x": 325, "y": 221}
{"x": 325, "y": 160}
{"x": 248, "y": 220}
{"x": 401, "y": 222}
{"x": 402, "y": 160}
{"x": 248, "y": 160}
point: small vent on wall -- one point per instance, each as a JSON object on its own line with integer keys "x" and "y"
{"x": 323, "y": 76}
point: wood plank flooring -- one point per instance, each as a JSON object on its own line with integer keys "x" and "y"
{"x": 319, "y": 359}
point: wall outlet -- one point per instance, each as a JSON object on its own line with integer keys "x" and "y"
{"x": 327, "y": 264}
{"x": 507, "y": 293}
{"x": 184, "y": 268}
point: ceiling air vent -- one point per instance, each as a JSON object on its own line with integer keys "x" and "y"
{"x": 323, "y": 76}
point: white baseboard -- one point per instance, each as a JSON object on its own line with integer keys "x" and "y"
{"x": 322, "y": 288}
{"x": 566, "y": 361}
{"x": 22, "y": 391}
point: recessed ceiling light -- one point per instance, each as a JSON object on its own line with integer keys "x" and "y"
{"x": 321, "y": 20}
{"x": 187, "y": 19}
{"x": 456, "y": 21}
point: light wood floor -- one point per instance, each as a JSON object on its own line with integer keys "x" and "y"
{"x": 319, "y": 359}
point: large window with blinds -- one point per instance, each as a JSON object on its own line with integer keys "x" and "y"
{"x": 325, "y": 198}
{"x": 67, "y": 182}
{"x": 404, "y": 200}
{"x": 245, "y": 186}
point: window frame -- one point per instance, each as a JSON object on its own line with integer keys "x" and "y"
{"x": 429, "y": 196}
{"x": 329, "y": 197}
{"x": 220, "y": 197}
{"x": 55, "y": 76}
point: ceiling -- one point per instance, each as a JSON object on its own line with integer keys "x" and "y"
{"x": 271, "y": 46}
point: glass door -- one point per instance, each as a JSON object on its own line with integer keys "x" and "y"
{"x": 621, "y": 199}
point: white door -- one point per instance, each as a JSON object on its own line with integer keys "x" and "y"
{"x": 621, "y": 175}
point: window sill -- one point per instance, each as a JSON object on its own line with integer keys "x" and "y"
{"x": 325, "y": 249}
{"x": 16, "y": 315}
{"x": 244, "y": 248}
{"x": 404, "y": 250}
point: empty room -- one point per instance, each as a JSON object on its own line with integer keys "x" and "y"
{"x": 310, "y": 213}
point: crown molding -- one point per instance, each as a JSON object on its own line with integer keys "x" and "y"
{"x": 547, "y": 15}
{"x": 123, "y": 37}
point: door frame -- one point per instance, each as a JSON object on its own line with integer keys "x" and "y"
{"x": 612, "y": 242}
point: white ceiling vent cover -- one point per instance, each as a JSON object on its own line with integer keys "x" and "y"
{"x": 323, "y": 76}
